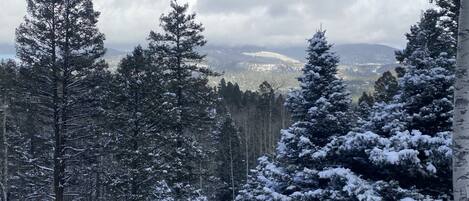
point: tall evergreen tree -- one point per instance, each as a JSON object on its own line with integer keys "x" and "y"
{"x": 136, "y": 115}
{"x": 320, "y": 109}
{"x": 9, "y": 130}
{"x": 427, "y": 86}
{"x": 230, "y": 169}
{"x": 29, "y": 150}
{"x": 60, "y": 42}
{"x": 175, "y": 51}
{"x": 265, "y": 105}
{"x": 387, "y": 158}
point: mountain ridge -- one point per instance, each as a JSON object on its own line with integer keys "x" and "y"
{"x": 360, "y": 64}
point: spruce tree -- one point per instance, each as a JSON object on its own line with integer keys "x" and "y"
{"x": 320, "y": 106}
{"x": 406, "y": 144}
{"x": 427, "y": 86}
{"x": 262, "y": 184}
{"x": 404, "y": 150}
{"x": 387, "y": 157}
{"x": 60, "y": 43}
{"x": 320, "y": 110}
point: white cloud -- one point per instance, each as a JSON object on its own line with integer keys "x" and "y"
{"x": 248, "y": 22}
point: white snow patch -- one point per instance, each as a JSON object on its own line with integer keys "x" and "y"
{"x": 272, "y": 55}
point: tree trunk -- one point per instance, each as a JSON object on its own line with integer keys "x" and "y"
{"x": 246, "y": 140}
{"x": 58, "y": 157}
{"x": 232, "y": 171}
{"x": 5, "y": 155}
{"x": 271, "y": 138}
{"x": 461, "y": 114}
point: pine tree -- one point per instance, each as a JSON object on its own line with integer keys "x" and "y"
{"x": 175, "y": 51}
{"x": 9, "y": 130}
{"x": 136, "y": 115}
{"x": 265, "y": 107}
{"x": 231, "y": 159}
{"x": 386, "y": 87}
{"x": 365, "y": 103}
{"x": 60, "y": 43}
{"x": 29, "y": 149}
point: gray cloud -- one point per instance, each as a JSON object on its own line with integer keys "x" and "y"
{"x": 252, "y": 22}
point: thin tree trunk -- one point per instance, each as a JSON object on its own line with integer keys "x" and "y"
{"x": 98, "y": 182}
{"x": 58, "y": 135}
{"x": 271, "y": 138}
{"x": 246, "y": 133}
{"x": 5, "y": 155}
{"x": 461, "y": 113}
{"x": 231, "y": 170}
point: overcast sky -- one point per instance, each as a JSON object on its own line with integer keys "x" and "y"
{"x": 251, "y": 22}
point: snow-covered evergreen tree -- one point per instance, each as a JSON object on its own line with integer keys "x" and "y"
{"x": 403, "y": 150}
{"x": 364, "y": 104}
{"x": 406, "y": 144}
{"x": 174, "y": 51}
{"x": 136, "y": 122}
{"x": 427, "y": 86}
{"x": 320, "y": 109}
{"x": 320, "y": 106}
{"x": 60, "y": 45}
{"x": 263, "y": 183}
{"x": 230, "y": 159}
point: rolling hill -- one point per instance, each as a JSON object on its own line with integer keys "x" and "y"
{"x": 360, "y": 64}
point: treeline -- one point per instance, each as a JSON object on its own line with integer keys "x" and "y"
{"x": 153, "y": 129}
{"x": 259, "y": 115}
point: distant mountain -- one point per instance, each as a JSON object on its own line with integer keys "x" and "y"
{"x": 229, "y": 58}
{"x": 235, "y": 59}
{"x": 360, "y": 64}
{"x": 365, "y": 54}
{"x": 111, "y": 52}
{"x": 356, "y": 53}
{"x": 7, "y": 48}
{"x": 7, "y": 51}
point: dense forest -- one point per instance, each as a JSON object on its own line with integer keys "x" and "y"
{"x": 154, "y": 129}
